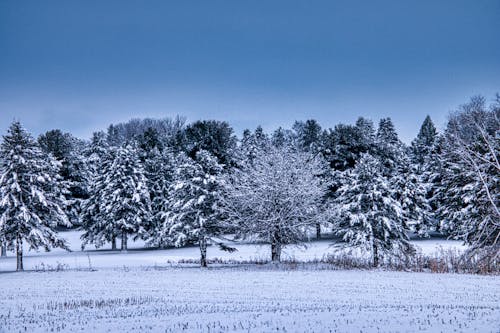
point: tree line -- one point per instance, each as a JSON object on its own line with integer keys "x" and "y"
{"x": 172, "y": 184}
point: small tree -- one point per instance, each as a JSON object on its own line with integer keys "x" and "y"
{"x": 193, "y": 214}
{"x": 31, "y": 201}
{"x": 367, "y": 214}
{"x": 276, "y": 197}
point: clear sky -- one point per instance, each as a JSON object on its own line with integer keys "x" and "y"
{"x": 80, "y": 65}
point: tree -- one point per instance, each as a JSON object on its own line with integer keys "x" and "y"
{"x": 473, "y": 151}
{"x": 99, "y": 159}
{"x": 276, "y": 198}
{"x": 422, "y": 146}
{"x": 216, "y": 137}
{"x": 367, "y": 214}
{"x": 308, "y": 135}
{"x": 193, "y": 214}
{"x": 31, "y": 204}
{"x": 160, "y": 168}
{"x": 125, "y": 201}
{"x": 252, "y": 144}
{"x": 67, "y": 150}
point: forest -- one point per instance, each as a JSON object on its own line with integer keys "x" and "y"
{"x": 173, "y": 183}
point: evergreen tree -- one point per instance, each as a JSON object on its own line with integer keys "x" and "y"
{"x": 308, "y": 135}
{"x": 216, "y": 137}
{"x": 252, "y": 144}
{"x": 31, "y": 204}
{"x": 422, "y": 146}
{"x": 367, "y": 214}
{"x": 193, "y": 214}
{"x": 125, "y": 201}
{"x": 160, "y": 167}
{"x": 99, "y": 159}
{"x": 67, "y": 150}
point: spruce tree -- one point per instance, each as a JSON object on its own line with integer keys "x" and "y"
{"x": 125, "y": 200}
{"x": 31, "y": 205}
{"x": 368, "y": 216}
{"x": 99, "y": 159}
{"x": 193, "y": 215}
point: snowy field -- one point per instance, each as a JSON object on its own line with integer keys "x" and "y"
{"x": 140, "y": 291}
{"x": 139, "y": 256}
{"x": 247, "y": 300}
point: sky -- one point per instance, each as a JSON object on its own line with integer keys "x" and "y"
{"x": 81, "y": 65}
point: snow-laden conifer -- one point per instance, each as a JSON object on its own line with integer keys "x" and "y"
{"x": 31, "y": 201}
{"x": 193, "y": 215}
{"x": 367, "y": 214}
{"x": 125, "y": 202}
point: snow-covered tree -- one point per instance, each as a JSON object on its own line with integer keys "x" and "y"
{"x": 404, "y": 182}
{"x": 193, "y": 214}
{"x": 125, "y": 201}
{"x": 367, "y": 215}
{"x": 99, "y": 159}
{"x": 252, "y": 144}
{"x": 31, "y": 201}
{"x": 472, "y": 152}
{"x": 308, "y": 135}
{"x": 423, "y": 144}
{"x": 160, "y": 169}
{"x": 276, "y": 198}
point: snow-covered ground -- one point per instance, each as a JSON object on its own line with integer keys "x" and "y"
{"x": 139, "y": 256}
{"x": 138, "y": 291}
{"x": 247, "y": 300}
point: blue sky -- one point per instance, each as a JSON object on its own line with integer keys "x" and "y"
{"x": 80, "y": 65}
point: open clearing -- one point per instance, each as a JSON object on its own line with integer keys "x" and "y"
{"x": 254, "y": 299}
{"x": 139, "y": 256}
{"x": 141, "y": 291}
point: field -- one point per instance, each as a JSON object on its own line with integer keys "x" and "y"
{"x": 144, "y": 290}
{"x": 248, "y": 300}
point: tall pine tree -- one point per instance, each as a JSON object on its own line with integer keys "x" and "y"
{"x": 32, "y": 202}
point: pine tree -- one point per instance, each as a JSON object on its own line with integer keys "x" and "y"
{"x": 367, "y": 214}
{"x": 308, "y": 135}
{"x": 125, "y": 201}
{"x": 160, "y": 171}
{"x": 422, "y": 145}
{"x": 66, "y": 149}
{"x": 193, "y": 214}
{"x": 404, "y": 181}
{"x": 31, "y": 204}
{"x": 99, "y": 159}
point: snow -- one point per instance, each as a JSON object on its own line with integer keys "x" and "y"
{"x": 242, "y": 300}
{"x": 140, "y": 256}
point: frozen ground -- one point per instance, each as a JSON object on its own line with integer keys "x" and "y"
{"x": 256, "y": 299}
{"x": 139, "y": 256}
{"x": 138, "y": 291}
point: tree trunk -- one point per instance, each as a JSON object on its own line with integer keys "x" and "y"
{"x": 19, "y": 254}
{"x": 113, "y": 243}
{"x": 3, "y": 250}
{"x": 276, "y": 247}
{"x": 203, "y": 252}
{"x": 375, "y": 256}
{"x": 318, "y": 230}
{"x": 124, "y": 241}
